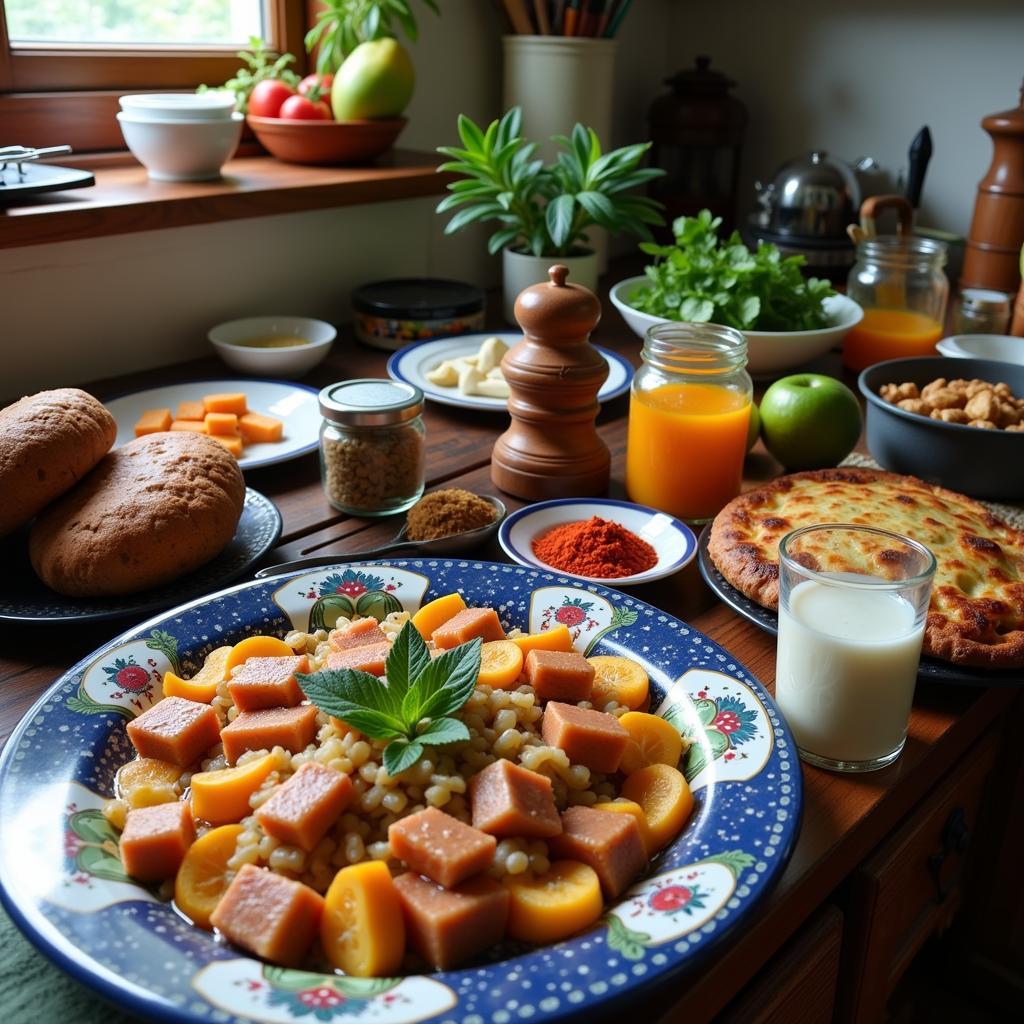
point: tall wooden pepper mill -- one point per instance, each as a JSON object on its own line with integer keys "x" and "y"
{"x": 552, "y": 449}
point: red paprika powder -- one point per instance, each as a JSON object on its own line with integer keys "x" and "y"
{"x": 595, "y": 547}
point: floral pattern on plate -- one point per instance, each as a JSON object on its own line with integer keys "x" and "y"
{"x": 278, "y": 995}
{"x": 117, "y": 938}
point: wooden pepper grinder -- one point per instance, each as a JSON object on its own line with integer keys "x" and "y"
{"x": 552, "y": 449}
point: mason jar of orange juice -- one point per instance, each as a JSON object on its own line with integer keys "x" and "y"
{"x": 900, "y": 283}
{"x": 688, "y": 416}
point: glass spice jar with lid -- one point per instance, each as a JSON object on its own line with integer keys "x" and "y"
{"x": 689, "y": 415}
{"x": 371, "y": 446}
{"x": 980, "y": 311}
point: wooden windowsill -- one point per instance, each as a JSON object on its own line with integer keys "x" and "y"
{"x": 124, "y": 200}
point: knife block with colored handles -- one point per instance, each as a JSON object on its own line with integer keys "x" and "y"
{"x": 552, "y": 449}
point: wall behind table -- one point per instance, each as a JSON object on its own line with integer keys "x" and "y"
{"x": 862, "y": 78}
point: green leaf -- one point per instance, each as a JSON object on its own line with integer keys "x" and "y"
{"x": 500, "y": 239}
{"x": 357, "y": 698}
{"x": 558, "y": 217}
{"x": 469, "y": 132}
{"x": 599, "y": 206}
{"x": 449, "y": 681}
{"x": 444, "y": 730}
{"x": 470, "y": 215}
{"x": 401, "y": 754}
{"x": 405, "y": 663}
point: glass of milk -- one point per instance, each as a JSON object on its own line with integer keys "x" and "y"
{"x": 852, "y": 607}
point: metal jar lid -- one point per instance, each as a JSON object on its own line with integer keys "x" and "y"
{"x": 370, "y": 402}
{"x": 983, "y": 300}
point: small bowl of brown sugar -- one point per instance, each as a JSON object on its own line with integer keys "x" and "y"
{"x": 465, "y": 518}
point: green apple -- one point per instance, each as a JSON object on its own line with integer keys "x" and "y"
{"x": 754, "y": 426}
{"x": 810, "y": 421}
{"x": 375, "y": 80}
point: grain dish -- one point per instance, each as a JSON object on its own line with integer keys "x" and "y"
{"x": 151, "y": 511}
{"x": 558, "y": 789}
{"x": 976, "y": 616}
{"x": 48, "y": 442}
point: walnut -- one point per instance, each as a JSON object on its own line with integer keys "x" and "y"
{"x": 947, "y": 398}
{"x": 976, "y": 386}
{"x": 936, "y": 385}
{"x": 950, "y": 415}
{"x": 983, "y": 406}
{"x": 915, "y": 405}
{"x": 983, "y": 424}
{"x": 1002, "y": 389}
{"x": 1009, "y": 415}
{"x": 894, "y": 393}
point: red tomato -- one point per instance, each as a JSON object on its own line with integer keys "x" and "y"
{"x": 268, "y": 96}
{"x": 302, "y": 108}
{"x": 311, "y": 82}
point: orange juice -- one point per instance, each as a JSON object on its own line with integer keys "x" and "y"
{"x": 889, "y": 334}
{"x": 685, "y": 448}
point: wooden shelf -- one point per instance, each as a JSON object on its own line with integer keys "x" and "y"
{"x": 124, "y": 200}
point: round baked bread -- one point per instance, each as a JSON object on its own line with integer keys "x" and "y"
{"x": 976, "y": 614}
{"x": 48, "y": 442}
{"x": 151, "y": 511}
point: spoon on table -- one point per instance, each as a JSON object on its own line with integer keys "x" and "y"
{"x": 456, "y": 544}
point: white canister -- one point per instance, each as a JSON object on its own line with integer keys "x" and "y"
{"x": 521, "y": 270}
{"x": 559, "y": 81}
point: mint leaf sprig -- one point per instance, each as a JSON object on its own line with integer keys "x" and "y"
{"x": 413, "y": 709}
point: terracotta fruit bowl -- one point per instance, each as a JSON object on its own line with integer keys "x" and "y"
{"x": 326, "y": 142}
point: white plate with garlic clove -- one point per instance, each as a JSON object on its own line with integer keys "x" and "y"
{"x": 472, "y": 378}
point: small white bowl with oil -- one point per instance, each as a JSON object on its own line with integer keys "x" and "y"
{"x": 277, "y": 346}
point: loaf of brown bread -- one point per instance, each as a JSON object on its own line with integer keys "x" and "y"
{"x": 48, "y": 442}
{"x": 151, "y": 511}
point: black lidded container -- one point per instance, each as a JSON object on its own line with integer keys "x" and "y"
{"x": 974, "y": 461}
{"x": 393, "y": 314}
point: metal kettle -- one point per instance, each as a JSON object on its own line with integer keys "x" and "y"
{"x": 811, "y": 197}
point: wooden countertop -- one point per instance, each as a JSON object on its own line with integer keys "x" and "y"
{"x": 844, "y": 816}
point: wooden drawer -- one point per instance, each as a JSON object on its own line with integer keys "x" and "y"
{"x": 910, "y": 887}
{"x": 798, "y": 986}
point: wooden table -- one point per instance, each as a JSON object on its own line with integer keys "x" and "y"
{"x": 845, "y": 819}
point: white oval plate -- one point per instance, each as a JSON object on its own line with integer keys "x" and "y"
{"x": 412, "y": 363}
{"x": 673, "y": 541}
{"x": 1004, "y": 348}
{"x": 295, "y": 404}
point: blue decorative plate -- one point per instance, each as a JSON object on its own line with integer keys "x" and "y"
{"x": 62, "y": 881}
{"x": 25, "y": 598}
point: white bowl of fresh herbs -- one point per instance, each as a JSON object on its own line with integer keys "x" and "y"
{"x": 787, "y": 319}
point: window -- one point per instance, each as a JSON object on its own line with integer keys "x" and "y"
{"x": 63, "y": 63}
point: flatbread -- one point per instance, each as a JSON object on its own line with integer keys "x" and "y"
{"x": 976, "y": 616}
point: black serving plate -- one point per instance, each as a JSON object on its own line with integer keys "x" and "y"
{"x": 930, "y": 670}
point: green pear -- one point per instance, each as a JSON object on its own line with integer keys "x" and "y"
{"x": 376, "y": 80}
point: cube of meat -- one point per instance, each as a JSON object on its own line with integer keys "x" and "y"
{"x": 269, "y": 915}
{"x": 441, "y": 847}
{"x": 367, "y": 658}
{"x": 176, "y": 730}
{"x": 509, "y": 800}
{"x": 291, "y": 728}
{"x": 610, "y": 843}
{"x": 155, "y": 840}
{"x": 560, "y": 675}
{"x": 357, "y": 634}
{"x": 267, "y": 683}
{"x": 591, "y": 738}
{"x": 302, "y": 810}
{"x": 448, "y": 926}
{"x": 467, "y": 625}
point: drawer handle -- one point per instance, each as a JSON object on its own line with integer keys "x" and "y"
{"x": 955, "y": 838}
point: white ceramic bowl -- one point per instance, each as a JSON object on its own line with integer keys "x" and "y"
{"x": 286, "y": 363}
{"x": 673, "y": 542}
{"x": 1004, "y": 348}
{"x": 215, "y": 105}
{"x": 768, "y": 352}
{"x": 181, "y": 150}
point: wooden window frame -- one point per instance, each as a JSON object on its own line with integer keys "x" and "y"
{"x": 60, "y": 94}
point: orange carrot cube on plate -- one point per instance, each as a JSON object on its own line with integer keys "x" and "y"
{"x": 152, "y": 421}
{"x": 301, "y": 811}
{"x": 509, "y": 800}
{"x": 257, "y": 428}
{"x": 233, "y": 444}
{"x": 357, "y": 634}
{"x": 155, "y": 840}
{"x": 222, "y": 423}
{"x": 230, "y": 402}
{"x": 291, "y": 728}
{"x": 193, "y": 426}
{"x": 441, "y": 847}
{"x": 559, "y": 675}
{"x": 176, "y": 730}
{"x": 467, "y": 625}
{"x": 267, "y": 683}
{"x": 191, "y": 411}
{"x": 609, "y": 843}
{"x": 591, "y": 738}
{"x": 367, "y": 658}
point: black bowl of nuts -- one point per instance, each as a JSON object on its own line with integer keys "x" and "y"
{"x": 954, "y": 422}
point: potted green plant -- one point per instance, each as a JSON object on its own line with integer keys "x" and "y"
{"x": 544, "y": 212}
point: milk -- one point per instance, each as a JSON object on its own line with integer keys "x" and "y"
{"x": 847, "y": 664}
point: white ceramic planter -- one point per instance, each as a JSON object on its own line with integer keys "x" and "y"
{"x": 521, "y": 270}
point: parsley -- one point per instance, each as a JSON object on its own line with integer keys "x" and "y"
{"x": 412, "y": 708}
{"x": 703, "y": 280}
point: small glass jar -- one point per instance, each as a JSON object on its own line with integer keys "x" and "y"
{"x": 689, "y": 416}
{"x": 981, "y": 312}
{"x": 371, "y": 446}
{"x": 901, "y": 286}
